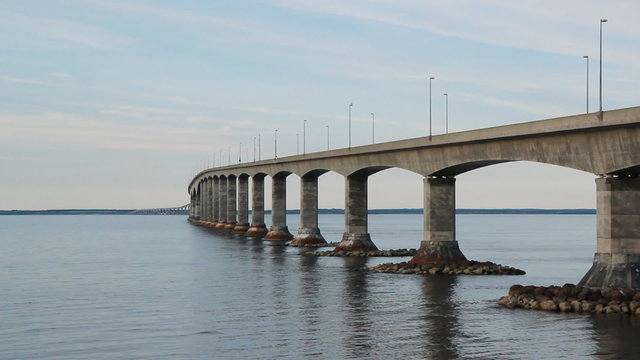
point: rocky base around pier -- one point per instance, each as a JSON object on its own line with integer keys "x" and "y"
{"x": 573, "y": 298}
{"x": 470, "y": 268}
{"x": 358, "y": 253}
{"x": 331, "y": 244}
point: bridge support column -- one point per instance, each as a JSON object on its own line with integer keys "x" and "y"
{"x": 232, "y": 211}
{"x": 616, "y": 263}
{"x": 210, "y": 202}
{"x": 439, "y": 245}
{"x": 258, "y": 229}
{"x": 279, "y": 230}
{"x": 192, "y": 205}
{"x": 356, "y": 236}
{"x": 215, "y": 217}
{"x": 308, "y": 233}
{"x": 222, "y": 191}
{"x": 197, "y": 207}
{"x": 204, "y": 217}
{"x": 243, "y": 205}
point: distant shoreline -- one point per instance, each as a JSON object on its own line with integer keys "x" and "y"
{"x": 320, "y": 211}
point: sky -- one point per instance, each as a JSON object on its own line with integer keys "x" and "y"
{"x": 118, "y": 104}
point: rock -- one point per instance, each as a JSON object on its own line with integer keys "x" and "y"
{"x": 583, "y": 293}
{"x": 624, "y": 309}
{"x": 612, "y": 309}
{"x": 587, "y": 307}
{"x": 565, "y": 306}
{"x": 548, "y": 305}
{"x": 594, "y": 296}
{"x": 614, "y": 294}
{"x": 504, "y": 301}
{"x": 535, "y": 305}
{"x": 637, "y": 312}
{"x": 633, "y": 305}
{"x": 598, "y": 309}
{"x": 576, "y": 306}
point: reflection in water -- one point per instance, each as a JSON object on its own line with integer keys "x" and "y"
{"x": 356, "y": 298}
{"x": 440, "y": 317}
{"x": 616, "y": 336}
{"x": 310, "y": 305}
{"x": 280, "y": 287}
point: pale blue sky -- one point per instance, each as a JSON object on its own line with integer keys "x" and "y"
{"x": 117, "y": 104}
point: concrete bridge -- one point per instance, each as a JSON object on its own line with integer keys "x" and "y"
{"x": 606, "y": 144}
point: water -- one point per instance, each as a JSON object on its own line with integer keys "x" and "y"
{"x": 156, "y": 287}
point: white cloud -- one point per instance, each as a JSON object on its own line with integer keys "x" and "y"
{"x": 23, "y": 80}
{"x": 30, "y": 27}
{"x": 567, "y": 27}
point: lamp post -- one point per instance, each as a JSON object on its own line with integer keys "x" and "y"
{"x": 229, "y": 156}
{"x": 297, "y": 144}
{"x": 304, "y": 137}
{"x": 373, "y": 129}
{"x": 446, "y": 112}
{"x": 350, "y": 106}
{"x": 240, "y": 153}
{"x": 587, "y": 57}
{"x": 327, "y": 126}
{"x": 601, "y": 21}
{"x": 259, "y": 149}
{"x": 430, "y": 132}
{"x": 275, "y": 144}
{"x": 254, "y": 149}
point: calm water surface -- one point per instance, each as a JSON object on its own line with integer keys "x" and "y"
{"x": 156, "y": 287}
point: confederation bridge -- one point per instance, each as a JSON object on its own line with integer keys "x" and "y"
{"x": 606, "y": 144}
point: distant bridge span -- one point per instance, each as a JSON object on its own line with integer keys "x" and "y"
{"x": 606, "y": 144}
{"x": 179, "y": 210}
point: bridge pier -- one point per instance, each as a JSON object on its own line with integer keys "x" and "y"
{"x": 243, "y": 205}
{"x": 197, "y": 207}
{"x": 204, "y": 219}
{"x": 616, "y": 263}
{"x": 308, "y": 233}
{"x": 439, "y": 245}
{"x": 192, "y": 206}
{"x": 232, "y": 211}
{"x": 356, "y": 236}
{"x": 258, "y": 229}
{"x": 279, "y": 230}
{"x": 210, "y": 202}
{"x": 215, "y": 193}
{"x": 222, "y": 191}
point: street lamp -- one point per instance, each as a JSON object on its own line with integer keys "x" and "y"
{"x": 587, "y": 57}
{"x": 254, "y": 149}
{"x": 601, "y": 21}
{"x": 297, "y": 144}
{"x": 229, "y": 156}
{"x": 373, "y": 129}
{"x": 327, "y": 126}
{"x": 430, "y": 132}
{"x": 350, "y": 106}
{"x": 275, "y": 144}
{"x": 446, "y": 112}
{"x": 259, "y": 149}
{"x": 240, "y": 153}
{"x": 304, "y": 137}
